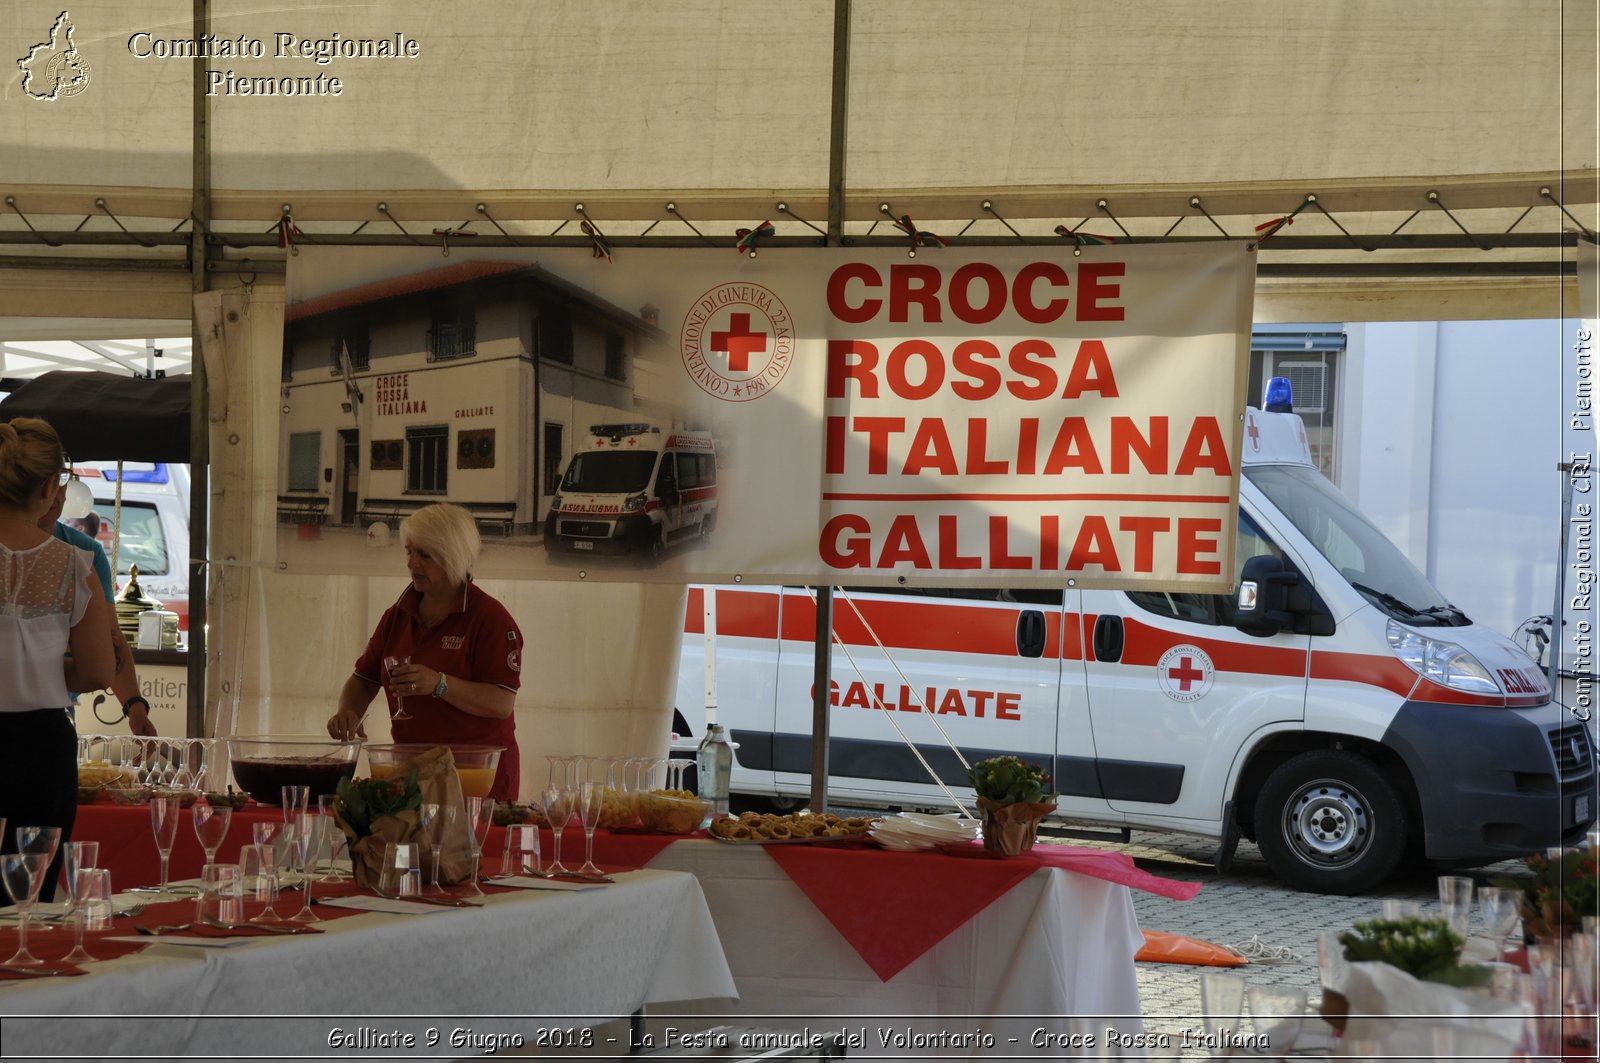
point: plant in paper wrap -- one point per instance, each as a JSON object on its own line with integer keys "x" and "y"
{"x": 1012, "y": 798}
{"x": 1558, "y": 891}
{"x": 372, "y": 813}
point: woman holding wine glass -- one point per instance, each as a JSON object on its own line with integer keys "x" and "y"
{"x": 55, "y": 636}
{"x": 460, "y": 648}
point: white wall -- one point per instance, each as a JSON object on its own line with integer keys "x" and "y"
{"x": 1449, "y": 437}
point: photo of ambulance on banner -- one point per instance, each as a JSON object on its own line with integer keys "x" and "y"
{"x": 820, "y": 416}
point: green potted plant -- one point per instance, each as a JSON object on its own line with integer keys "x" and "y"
{"x": 1559, "y": 890}
{"x": 1012, "y": 798}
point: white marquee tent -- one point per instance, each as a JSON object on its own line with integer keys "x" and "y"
{"x": 1438, "y": 159}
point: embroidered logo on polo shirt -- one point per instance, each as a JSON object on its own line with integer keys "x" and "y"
{"x": 514, "y": 660}
{"x": 452, "y": 642}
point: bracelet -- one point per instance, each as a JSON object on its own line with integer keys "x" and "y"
{"x": 140, "y": 699}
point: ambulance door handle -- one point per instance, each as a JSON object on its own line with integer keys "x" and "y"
{"x": 1108, "y": 638}
{"x": 1030, "y": 633}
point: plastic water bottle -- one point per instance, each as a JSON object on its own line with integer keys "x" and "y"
{"x": 713, "y": 767}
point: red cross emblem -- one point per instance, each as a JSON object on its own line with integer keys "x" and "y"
{"x": 1185, "y": 673}
{"x": 739, "y": 342}
{"x": 1253, "y": 432}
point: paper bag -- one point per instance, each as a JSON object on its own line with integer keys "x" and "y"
{"x": 1400, "y": 1013}
{"x": 439, "y": 783}
{"x": 366, "y": 854}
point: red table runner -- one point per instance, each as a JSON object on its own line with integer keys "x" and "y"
{"x": 128, "y": 850}
{"x": 949, "y": 890}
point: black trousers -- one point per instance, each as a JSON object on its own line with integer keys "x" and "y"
{"x": 38, "y": 781}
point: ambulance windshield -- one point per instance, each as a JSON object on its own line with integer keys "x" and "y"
{"x": 609, "y": 472}
{"x": 1373, "y": 565}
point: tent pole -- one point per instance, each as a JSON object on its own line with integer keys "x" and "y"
{"x": 199, "y": 450}
{"x": 822, "y": 665}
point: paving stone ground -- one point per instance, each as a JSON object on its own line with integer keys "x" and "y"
{"x": 1247, "y": 902}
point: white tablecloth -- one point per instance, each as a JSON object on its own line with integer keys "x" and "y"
{"x": 523, "y": 963}
{"x": 1058, "y": 944}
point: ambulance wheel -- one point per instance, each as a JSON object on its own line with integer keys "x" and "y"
{"x": 1328, "y": 822}
{"x": 655, "y": 547}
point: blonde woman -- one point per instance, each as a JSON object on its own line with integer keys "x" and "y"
{"x": 55, "y": 637}
{"x": 464, "y": 650}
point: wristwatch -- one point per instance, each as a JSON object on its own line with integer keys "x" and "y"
{"x": 139, "y": 698}
{"x": 442, "y": 686}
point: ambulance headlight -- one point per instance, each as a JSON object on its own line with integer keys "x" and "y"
{"x": 634, "y": 503}
{"x": 1443, "y": 662}
{"x": 555, "y": 503}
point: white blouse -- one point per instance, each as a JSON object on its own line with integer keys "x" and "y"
{"x": 43, "y": 593}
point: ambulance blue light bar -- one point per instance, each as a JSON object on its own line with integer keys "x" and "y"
{"x": 1279, "y": 399}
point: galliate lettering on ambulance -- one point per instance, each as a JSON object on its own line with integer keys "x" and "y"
{"x": 978, "y": 704}
{"x": 392, "y": 396}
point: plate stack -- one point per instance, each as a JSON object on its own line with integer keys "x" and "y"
{"x": 919, "y": 830}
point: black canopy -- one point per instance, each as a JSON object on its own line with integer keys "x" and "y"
{"x": 104, "y": 417}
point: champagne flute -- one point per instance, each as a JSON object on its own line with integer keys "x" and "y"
{"x": 300, "y": 847}
{"x": 164, "y": 814}
{"x": 211, "y": 824}
{"x": 91, "y": 886}
{"x": 78, "y": 856}
{"x": 22, "y": 874}
{"x": 336, "y": 838}
{"x": 556, "y": 809}
{"x": 259, "y": 865}
{"x": 591, "y": 800}
{"x": 391, "y": 665}
{"x": 427, "y": 815}
{"x": 480, "y": 816}
{"x": 1500, "y": 913}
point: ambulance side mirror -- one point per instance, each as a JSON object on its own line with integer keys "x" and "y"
{"x": 1261, "y": 608}
{"x": 1273, "y": 596}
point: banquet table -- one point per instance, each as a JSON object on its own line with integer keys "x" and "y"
{"x": 526, "y": 962}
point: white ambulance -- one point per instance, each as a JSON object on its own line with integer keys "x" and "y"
{"x": 1336, "y": 709}
{"x": 634, "y": 489}
{"x": 154, "y": 526}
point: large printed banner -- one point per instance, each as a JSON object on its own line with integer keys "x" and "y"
{"x": 860, "y": 417}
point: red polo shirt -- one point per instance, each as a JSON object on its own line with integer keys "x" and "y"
{"x": 477, "y": 641}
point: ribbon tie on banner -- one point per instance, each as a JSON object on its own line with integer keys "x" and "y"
{"x": 445, "y": 235}
{"x": 1275, "y": 224}
{"x": 919, "y": 237}
{"x": 748, "y": 237}
{"x": 1083, "y": 238}
{"x": 597, "y": 240}
{"x": 288, "y": 232}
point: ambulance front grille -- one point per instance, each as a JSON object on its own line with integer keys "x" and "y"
{"x": 1571, "y": 748}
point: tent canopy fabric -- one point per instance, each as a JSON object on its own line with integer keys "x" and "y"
{"x": 1422, "y": 130}
{"x": 103, "y": 417}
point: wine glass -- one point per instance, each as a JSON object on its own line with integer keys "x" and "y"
{"x": 480, "y": 816}
{"x": 1455, "y": 901}
{"x": 1500, "y": 913}
{"x": 211, "y": 824}
{"x": 91, "y": 888}
{"x": 45, "y": 841}
{"x": 301, "y": 845}
{"x": 164, "y": 814}
{"x": 1277, "y": 1011}
{"x": 591, "y": 798}
{"x": 391, "y": 664}
{"x": 22, "y": 874}
{"x": 557, "y": 809}
{"x": 1221, "y": 1002}
{"x": 181, "y": 778}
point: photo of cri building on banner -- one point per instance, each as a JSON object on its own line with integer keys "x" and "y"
{"x": 814, "y": 416}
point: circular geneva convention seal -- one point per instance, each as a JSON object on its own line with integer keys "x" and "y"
{"x": 737, "y": 341}
{"x": 1185, "y": 673}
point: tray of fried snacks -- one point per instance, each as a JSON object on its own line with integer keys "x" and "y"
{"x": 765, "y": 828}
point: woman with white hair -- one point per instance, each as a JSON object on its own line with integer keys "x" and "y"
{"x": 465, "y": 651}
